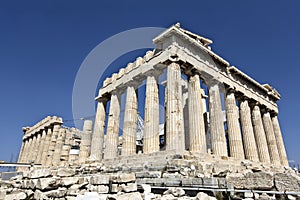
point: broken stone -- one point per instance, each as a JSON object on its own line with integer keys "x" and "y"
{"x": 64, "y": 172}
{"x": 100, "y": 180}
{"x": 47, "y": 183}
{"x": 177, "y": 192}
{"x": 129, "y": 187}
{"x": 40, "y": 173}
{"x": 16, "y": 195}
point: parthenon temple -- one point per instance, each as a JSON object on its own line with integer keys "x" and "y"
{"x": 180, "y": 96}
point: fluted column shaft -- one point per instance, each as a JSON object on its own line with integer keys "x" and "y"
{"x": 34, "y": 147}
{"x": 236, "y": 149}
{"x": 46, "y": 147}
{"x": 85, "y": 145}
{"x": 175, "y": 138}
{"x": 151, "y": 115}
{"x": 130, "y": 125}
{"x": 52, "y": 144}
{"x": 64, "y": 157}
{"x": 58, "y": 147}
{"x": 28, "y": 150}
{"x": 247, "y": 132}
{"x": 112, "y": 136}
{"x": 260, "y": 136}
{"x": 41, "y": 146}
{"x": 98, "y": 135}
{"x": 197, "y": 136}
{"x": 271, "y": 140}
{"x": 279, "y": 140}
{"x": 217, "y": 131}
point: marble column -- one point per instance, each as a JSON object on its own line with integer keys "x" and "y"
{"x": 236, "y": 149}
{"x": 52, "y": 144}
{"x": 64, "y": 157}
{"x": 260, "y": 136}
{"x": 197, "y": 136}
{"x": 85, "y": 145}
{"x": 130, "y": 123}
{"x": 46, "y": 146}
{"x": 271, "y": 140}
{"x": 36, "y": 147}
{"x": 247, "y": 132}
{"x": 174, "y": 110}
{"x": 279, "y": 140}
{"x": 217, "y": 131}
{"x": 113, "y": 124}
{"x": 41, "y": 146}
{"x": 151, "y": 117}
{"x": 28, "y": 150}
{"x": 98, "y": 135}
{"x": 58, "y": 147}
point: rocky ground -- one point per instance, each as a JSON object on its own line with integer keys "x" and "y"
{"x": 169, "y": 176}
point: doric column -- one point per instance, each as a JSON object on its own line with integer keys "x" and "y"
{"x": 28, "y": 150}
{"x": 279, "y": 140}
{"x": 151, "y": 117}
{"x": 52, "y": 144}
{"x": 41, "y": 146}
{"x": 174, "y": 110}
{"x": 58, "y": 147}
{"x": 36, "y": 141}
{"x": 260, "y": 136}
{"x": 247, "y": 132}
{"x": 46, "y": 146}
{"x": 112, "y": 135}
{"x": 271, "y": 140}
{"x": 236, "y": 149}
{"x": 85, "y": 145}
{"x": 64, "y": 157}
{"x": 130, "y": 125}
{"x": 98, "y": 135}
{"x": 217, "y": 131}
{"x": 197, "y": 136}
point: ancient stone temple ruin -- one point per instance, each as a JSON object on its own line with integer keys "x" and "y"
{"x": 245, "y": 127}
{"x": 190, "y": 121}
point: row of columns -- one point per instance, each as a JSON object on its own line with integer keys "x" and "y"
{"x": 250, "y": 135}
{"x": 51, "y": 146}
{"x": 257, "y": 141}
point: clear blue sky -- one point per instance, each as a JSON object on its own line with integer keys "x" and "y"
{"x": 43, "y": 43}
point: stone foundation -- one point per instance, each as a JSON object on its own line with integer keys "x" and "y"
{"x": 160, "y": 175}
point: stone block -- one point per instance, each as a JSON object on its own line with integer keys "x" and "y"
{"x": 192, "y": 182}
{"x": 2, "y": 194}
{"x": 40, "y": 173}
{"x": 127, "y": 196}
{"x": 210, "y": 182}
{"x": 172, "y": 182}
{"x": 16, "y": 195}
{"x": 287, "y": 182}
{"x": 67, "y": 181}
{"x": 115, "y": 188}
{"x": 258, "y": 180}
{"x": 129, "y": 187}
{"x": 47, "y": 183}
{"x": 176, "y": 192}
{"x": 100, "y": 180}
{"x": 148, "y": 174}
{"x": 38, "y": 195}
{"x": 65, "y": 172}
{"x": 123, "y": 178}
{"x": 102, "y": 189}
{"x": 58, "y": 193}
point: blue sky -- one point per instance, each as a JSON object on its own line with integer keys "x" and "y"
{"x": 43, "y": 43}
